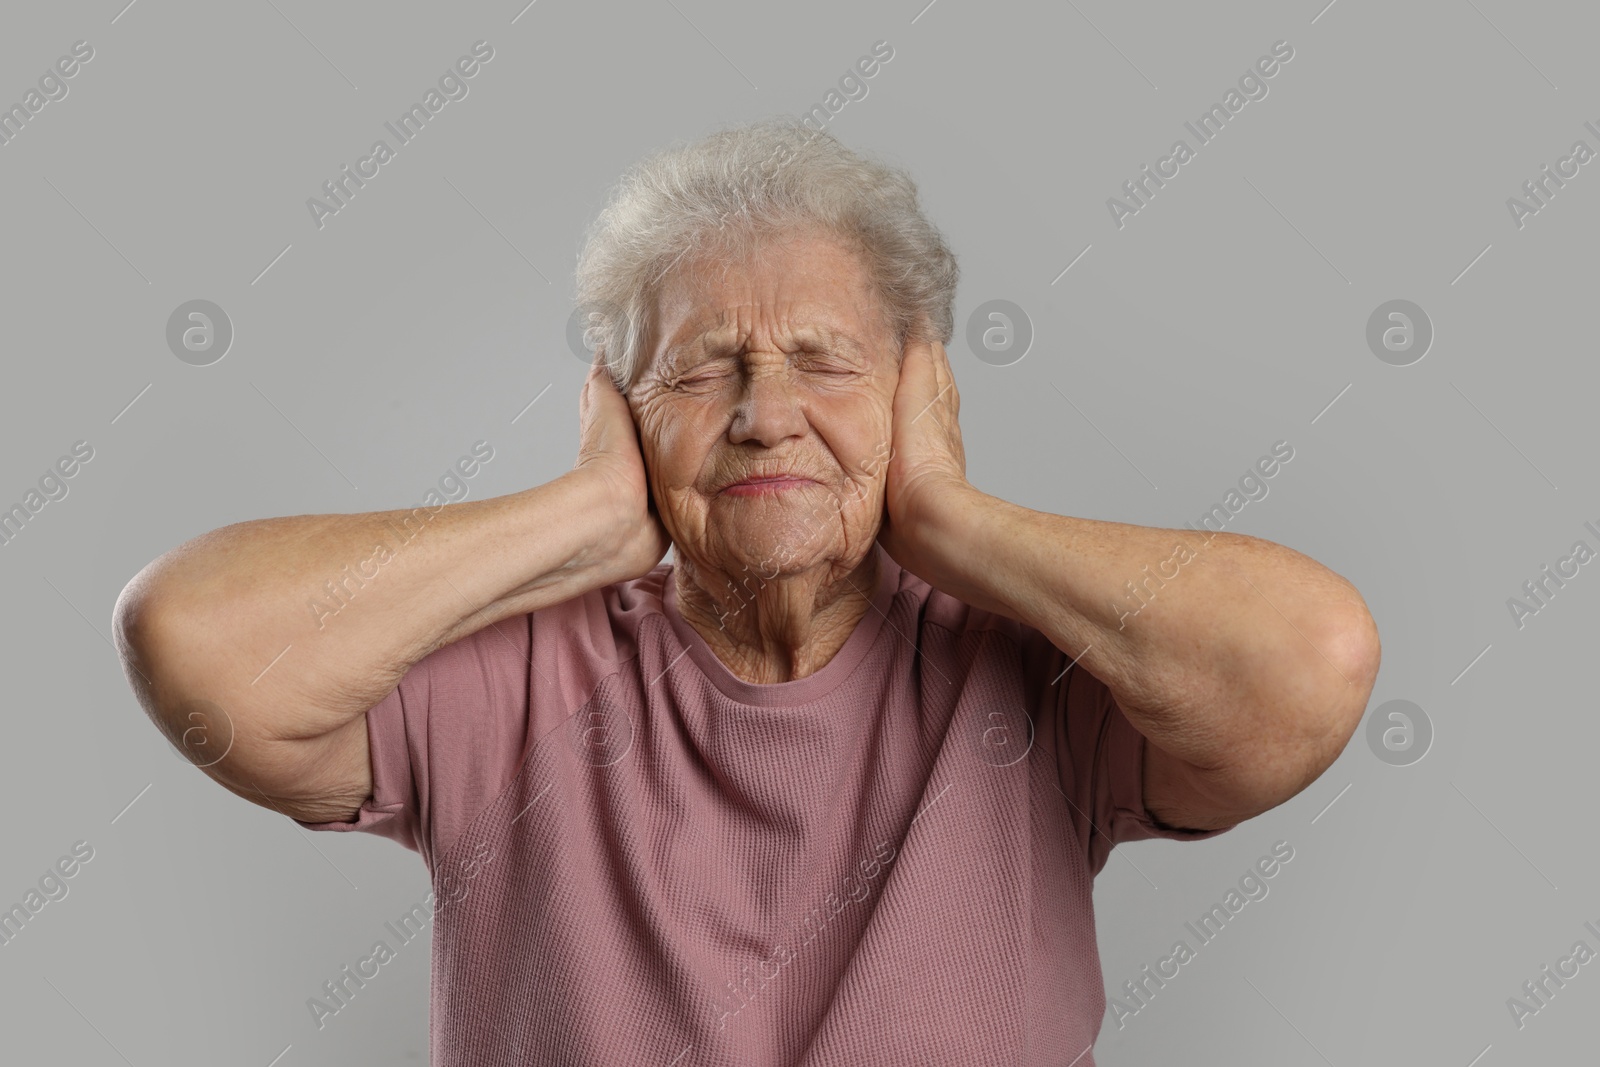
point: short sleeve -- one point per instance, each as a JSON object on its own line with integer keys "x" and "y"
{"x": 1101, "y": 767}
{"x": 447, "y": 739}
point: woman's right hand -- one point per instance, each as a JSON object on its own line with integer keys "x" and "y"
{"x": 609, "y": 459}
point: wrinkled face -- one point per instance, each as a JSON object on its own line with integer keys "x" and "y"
{"x": 776, "y": 367}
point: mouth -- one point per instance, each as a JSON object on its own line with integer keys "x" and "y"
{"x": 776, "y": 483}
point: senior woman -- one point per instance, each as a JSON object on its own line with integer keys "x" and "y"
{"x": 830, "y": 788}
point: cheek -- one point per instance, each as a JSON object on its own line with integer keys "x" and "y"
{"x": 861, "y": 438}
{"x": 673, "y": 443}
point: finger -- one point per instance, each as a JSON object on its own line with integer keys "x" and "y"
{"x": 943, "y": 377}
{"x": 935, "y": 373}
{"x": 919, "y": 368}
{"x": 940, "y": 384}
{"x": 917, "y": 386}
{"x": 605, "y": 413}
{"x": 587, "y": 398}
{"x": 941, "y": 364}
{"x": 947, "y": 375}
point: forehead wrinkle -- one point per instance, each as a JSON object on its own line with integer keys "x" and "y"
{"x": 855, "y": 297}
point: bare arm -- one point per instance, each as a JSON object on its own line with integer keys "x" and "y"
{"x": 199, "y": 627}
{"x": 1246, "y": 670}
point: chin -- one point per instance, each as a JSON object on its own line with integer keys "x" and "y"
{"x": 776, "y": 554}
{"x": 778, "y": 537}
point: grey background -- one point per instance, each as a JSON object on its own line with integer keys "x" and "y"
{"x": 1230, "y": 313}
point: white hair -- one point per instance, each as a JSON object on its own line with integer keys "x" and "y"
{"x": 733, "y": 190}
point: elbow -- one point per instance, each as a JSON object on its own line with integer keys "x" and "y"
{"x": 1307, "y": 724}
{"x": 151, "y": 631}
{"x": 136, "y": 622}
{"x": 170, "y": 674}
{"x": 1353, "y": 646}
{"x": 1350, "y": 645}
{"x": 130, "y": 615}
{"x": 131, "y": 622}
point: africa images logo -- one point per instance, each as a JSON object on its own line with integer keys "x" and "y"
{"x": 452, "y": 86}
{"x": 1206, "y": 128}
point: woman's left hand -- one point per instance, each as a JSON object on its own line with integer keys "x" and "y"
{"x": 927, "y": 464}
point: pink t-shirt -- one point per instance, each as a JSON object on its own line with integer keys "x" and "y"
{"x": 639, "y": 858}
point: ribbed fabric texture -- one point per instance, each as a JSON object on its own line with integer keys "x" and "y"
{"x": 639, "y": 858}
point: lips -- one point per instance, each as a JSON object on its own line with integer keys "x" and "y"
{"x": 756, "y": 482}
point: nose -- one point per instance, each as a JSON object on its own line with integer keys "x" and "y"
{"x": 769, "y": 408}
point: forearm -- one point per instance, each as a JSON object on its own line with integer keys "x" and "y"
{"x": 297, "y": 625}
{"x": 1214, "y": 644}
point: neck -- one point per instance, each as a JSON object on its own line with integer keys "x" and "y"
{"x": 777, "y": 630}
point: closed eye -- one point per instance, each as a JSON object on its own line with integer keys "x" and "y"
{"x": 810, "y": 361}
{"x": 706, "y": 370}
{"x": 828, "y": 363}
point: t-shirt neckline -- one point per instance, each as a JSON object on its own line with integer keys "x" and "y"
{"x": 801, "y": 690}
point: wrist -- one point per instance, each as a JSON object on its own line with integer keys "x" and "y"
{"x": 616, "y": 535}
{"x": 954, "y": 544}
{"x": 595, "y": 510}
